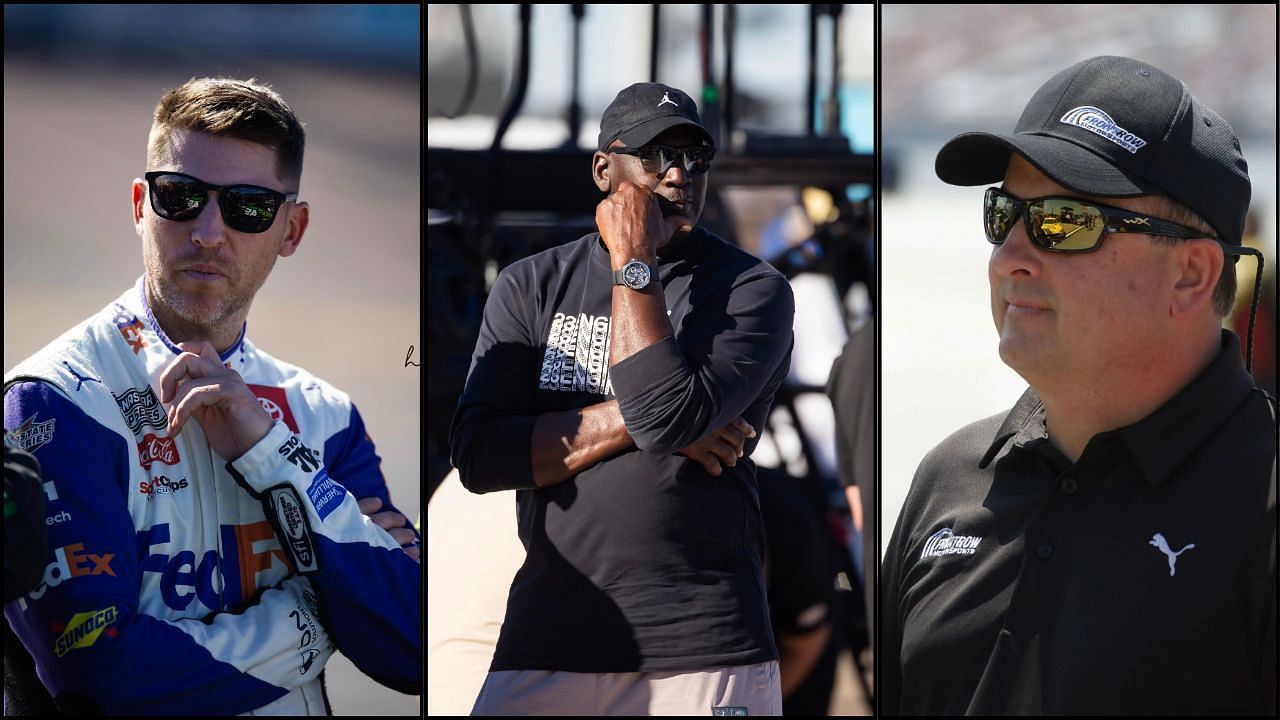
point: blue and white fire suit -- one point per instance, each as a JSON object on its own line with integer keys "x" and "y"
{"x": 179, "y": 583}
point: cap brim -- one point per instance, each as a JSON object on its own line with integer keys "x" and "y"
{"x": 644, "y": 133}
{"x": 981, "y": 158}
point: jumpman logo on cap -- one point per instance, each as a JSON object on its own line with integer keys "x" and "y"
{"x": 667, "y": 99}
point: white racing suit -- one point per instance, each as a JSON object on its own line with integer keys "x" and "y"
{"x": 177, "y": 583}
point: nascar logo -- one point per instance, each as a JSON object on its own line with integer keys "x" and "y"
{"x": 83, "y": 629}
{"x": 141, "y": 408}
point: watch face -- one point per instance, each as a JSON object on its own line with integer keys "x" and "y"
{"x": 635, "y": 275}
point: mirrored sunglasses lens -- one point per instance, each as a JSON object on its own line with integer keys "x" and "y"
{"x": 178, "y": 198}
{"x": 249, "y": 210}
{"x": 998, "y": 218}
{"x": 1066, "y": 225}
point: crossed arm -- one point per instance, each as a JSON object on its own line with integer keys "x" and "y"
{"x": 566, "y": 443}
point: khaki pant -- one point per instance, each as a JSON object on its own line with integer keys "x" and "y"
{"x": 741, "y": 690}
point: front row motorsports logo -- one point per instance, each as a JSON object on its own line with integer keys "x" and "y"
{"x": 946, "y": 542}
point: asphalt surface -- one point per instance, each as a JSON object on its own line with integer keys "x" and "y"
{"x": 346, "y": 306}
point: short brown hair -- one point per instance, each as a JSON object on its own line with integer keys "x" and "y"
{"x": 1224, "y": 293}
{"x": 241, "y": 109}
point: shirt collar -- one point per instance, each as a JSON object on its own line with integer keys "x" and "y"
{"x": 159, "y": 331}
{"x": 1024, "y": 423}
{"x": 1162, "y": 440}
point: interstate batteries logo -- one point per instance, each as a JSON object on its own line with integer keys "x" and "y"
{"x": 84, "y": 628}
{"x": 31, "y": 435}
{"x": 946, "y": 542}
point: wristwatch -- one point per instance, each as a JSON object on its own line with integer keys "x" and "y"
{"x": 635, "y": 275}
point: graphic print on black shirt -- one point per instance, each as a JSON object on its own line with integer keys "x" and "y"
{"x": 577, "y": 356}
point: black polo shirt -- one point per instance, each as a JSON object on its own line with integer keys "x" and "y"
{"x": 1140, "y": 579}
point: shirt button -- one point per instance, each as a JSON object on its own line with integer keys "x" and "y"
{"x": 1069, "y": 486}
{"x": 1045, "y": 551}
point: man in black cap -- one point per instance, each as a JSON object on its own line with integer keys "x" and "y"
{"x": 1109, "y": 545}
{"x": 615, "y": 386}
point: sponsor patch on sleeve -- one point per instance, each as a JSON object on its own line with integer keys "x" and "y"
{"x": 326, "y": 495}
{"x": 83, "y": 629}
{"x": 293, "y": 528}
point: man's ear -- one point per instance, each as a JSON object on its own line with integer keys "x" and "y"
{"x": 1199, "y": 263}
{"x": 600, "y": 171}
{"x": 139, "y": 197}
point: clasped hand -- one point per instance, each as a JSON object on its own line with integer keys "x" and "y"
{"x": 721, "y": 448}
{"x": 197, "y": 385}
{"x": 632, "y": 225}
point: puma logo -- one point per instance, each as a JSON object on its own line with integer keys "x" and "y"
{"x": 1162, "y": 545}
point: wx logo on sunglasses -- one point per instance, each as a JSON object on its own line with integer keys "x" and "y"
{"x": 1137, "y": 221}
{"x": 245, "y": 208}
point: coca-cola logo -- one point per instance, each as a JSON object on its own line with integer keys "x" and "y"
{"x": 161, "y": 449}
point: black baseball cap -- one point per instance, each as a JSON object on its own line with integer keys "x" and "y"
{"x": 642, "y": 111}
{"x": 1117, "y": 127}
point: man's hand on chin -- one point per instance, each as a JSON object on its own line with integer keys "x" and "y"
{"x": 197, "y": 385}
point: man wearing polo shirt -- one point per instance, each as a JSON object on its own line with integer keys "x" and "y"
{"x": 1109, "y": 545}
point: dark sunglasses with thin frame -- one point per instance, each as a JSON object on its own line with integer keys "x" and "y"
{"x": 657, "y": 159}
{"x": 245, "y": 208}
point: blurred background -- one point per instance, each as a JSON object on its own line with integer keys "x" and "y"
{"x": 947, "y": 69}
{"x": 80, "y": 85}
{"x": 514, "y": 98}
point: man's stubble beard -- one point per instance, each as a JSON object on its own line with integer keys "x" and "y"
{"x": 198, "y": 317}
{"x": 198, "y": 313}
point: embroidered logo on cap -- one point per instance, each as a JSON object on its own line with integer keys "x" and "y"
{"x": 667, "y": 99}
{"x": 946, "y": 542}
{"x": 1098, "y": 122}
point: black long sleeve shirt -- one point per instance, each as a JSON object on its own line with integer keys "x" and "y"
{"x": 1139, "y": 580}
{"x": 643, "y": 562}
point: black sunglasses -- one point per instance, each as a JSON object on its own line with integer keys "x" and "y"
{"x": 245, "y": 208}
{"x": 658, "y": 159}
{"x": 1071, "y": 225}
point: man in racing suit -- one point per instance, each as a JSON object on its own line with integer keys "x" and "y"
{"x": 207, "y": 547}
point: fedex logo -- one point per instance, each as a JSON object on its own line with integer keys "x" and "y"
{"x": 217, "y": 581}
{"x": 70, "y": 561}
{"x": 131, "y": 328}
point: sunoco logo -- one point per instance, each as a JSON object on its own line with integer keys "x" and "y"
{"x": 946, "y": 542}
{"x": 1098, "y": 122}
{"x": 83, "y": 630}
